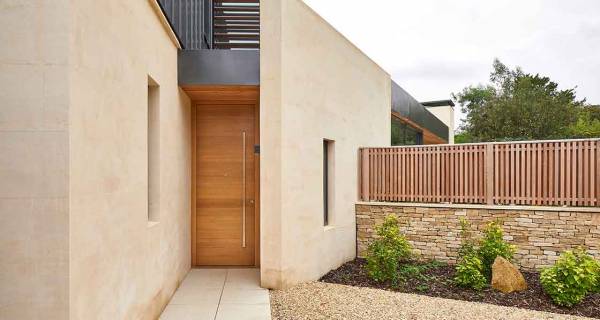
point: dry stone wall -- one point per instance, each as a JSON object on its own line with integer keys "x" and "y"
{"x": 434, "y": 232}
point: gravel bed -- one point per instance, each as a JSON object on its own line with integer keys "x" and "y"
{"x": 319, "y": 300}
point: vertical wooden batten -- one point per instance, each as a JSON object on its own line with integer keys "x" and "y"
{"x": 489, "y": 174}
{"x": 365, "y": 174}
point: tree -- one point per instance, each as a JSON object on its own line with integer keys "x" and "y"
{"x": 463, "y": 137}
{"x": 519, "y": 106}
{"x": 587, "y": 124}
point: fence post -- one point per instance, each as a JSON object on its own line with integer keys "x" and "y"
{"x": 597, "y": 177}
{"x": 489, "y": 173}
{"x": 364, "y": 180}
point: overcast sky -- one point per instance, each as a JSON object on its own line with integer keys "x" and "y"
{"x": 433, "y": 48}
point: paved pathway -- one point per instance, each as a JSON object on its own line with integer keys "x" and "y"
{"x": 219, "y": 294}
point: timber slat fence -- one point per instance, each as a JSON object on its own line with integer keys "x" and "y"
{"x": 550, "y": 173}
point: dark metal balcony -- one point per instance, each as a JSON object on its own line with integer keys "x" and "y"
{"x": 236, "y": 24}
{"x": 220, "y": 40}
{"x": 215, "y": 24}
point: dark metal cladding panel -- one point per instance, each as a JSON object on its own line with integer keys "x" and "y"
{"x": 408, "y": 107}
{"x": 219, "y": 67}
{"x": 191, "y": 21}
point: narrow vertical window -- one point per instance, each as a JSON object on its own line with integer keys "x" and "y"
{"x": 328, "y": 157}
{"x": 419, "y": 138}
{"x": 153, "y": 143}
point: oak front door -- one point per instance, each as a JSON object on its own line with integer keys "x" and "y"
{"x": 224, "y": 185}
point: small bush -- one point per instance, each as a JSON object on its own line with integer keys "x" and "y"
{"x": 597, "y": 287}
{"x": 474, "y": 268}
{"x": 385, "y": 253}
{"x": 467, "y": 243}
{"x": 416, "y": 271}
{"x": 469, "y": 269}
{"x": 468, "y": 273}
{"x": 491, "y": 246}
{"x": 573, "y": 276}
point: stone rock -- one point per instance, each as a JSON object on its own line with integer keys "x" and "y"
{"x": 506, "y": 277}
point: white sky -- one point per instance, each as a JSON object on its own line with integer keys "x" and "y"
{"x": 433, "y": 48}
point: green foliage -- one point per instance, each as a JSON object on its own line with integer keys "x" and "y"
{"x": 588, "y": 123}
{"x": 573, "y": 276}
{"x": 423, "y": 288}
{"x": 469, "y": 269}
{"x": 463, "y": 137}
{"x": 468, "y": 273}
{"x": 409, "y": 270}
{"x": 474, "y": 269}
{"x": 493, "y": 245}
{"x": 433, "y": 264}
{"x": 596, "y": 289}
{"x": 417, "y": 271}
{"x": 521, "y": 106}
{"x": 467, "y": 243}
{"x": 385, "y": 253}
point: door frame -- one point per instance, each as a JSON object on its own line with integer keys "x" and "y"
{"x": 215, "y": 95}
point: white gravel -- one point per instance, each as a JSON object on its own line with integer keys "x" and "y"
{"x": 318, "y": 300}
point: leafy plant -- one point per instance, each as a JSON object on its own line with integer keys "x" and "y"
{"x": 573, "y": 276}
{"x": 468, "y": 273}
{"x": 469, "y": 269}
{"x": 385, "y": 253}
{"x": 493, "y": 245}
{"x": 474, "y": 269}
{"x": 422, "y": 288}
{"x": 597, "y": 287}
{"x": 409, "y": 270}
{"x": 467, "y": 243}
{"x": 433, "y": 264}
{"x": 417, "y": 271}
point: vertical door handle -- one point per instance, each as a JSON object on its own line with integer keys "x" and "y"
{"x": 243, "y": 189}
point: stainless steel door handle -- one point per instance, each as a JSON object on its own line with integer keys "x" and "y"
{"x": 243, "y": 189}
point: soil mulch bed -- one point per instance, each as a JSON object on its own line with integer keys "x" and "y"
{"x": 436, "y": 280}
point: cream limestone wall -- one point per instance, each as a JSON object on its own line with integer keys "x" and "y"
{"x": 446, "y": 115}
{"x": 121, "y": 266}
{"x": 315, "y": 85}
{"x": 34, "y": 185}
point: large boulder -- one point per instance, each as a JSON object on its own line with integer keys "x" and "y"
{"x": 506, "y": 277}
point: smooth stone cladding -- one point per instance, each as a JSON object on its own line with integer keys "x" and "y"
{"x": 540, "y": 233}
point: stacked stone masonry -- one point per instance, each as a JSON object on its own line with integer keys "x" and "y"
{"x": 434, "y": 232}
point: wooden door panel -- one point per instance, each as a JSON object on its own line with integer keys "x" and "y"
{"x": 220, "y": 183}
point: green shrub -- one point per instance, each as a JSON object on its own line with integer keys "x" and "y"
{"x": 597, "y": 287}
{"x": 469, "y": 268}
{"x": 573, "y": 276}
{"x": 385, "y": 253}
{"x": 474, "y": 268}
{"x": 467, "y": 243}
{"x": 468, "y": 273}
{"x": 491, "y": 246}
{"x": 417, "y": 271}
